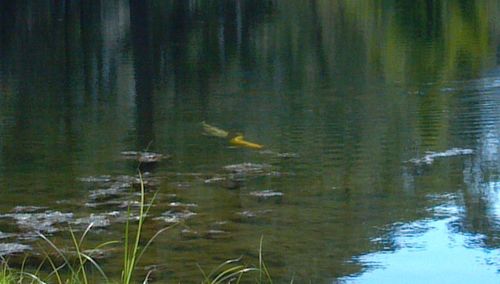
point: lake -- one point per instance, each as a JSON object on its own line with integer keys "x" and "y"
{"x": 380, "y": 123}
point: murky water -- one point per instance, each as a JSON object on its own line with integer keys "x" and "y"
{"x": 379, "y": 119}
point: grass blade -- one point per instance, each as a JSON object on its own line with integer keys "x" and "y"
{"x": 152, "y": 239}
{"x": 85, "y": 233}
{"x": 97, "y": 266}
{"x": 79, "y": 254}
{"x": 262, "y": 265}
{"x": 34, "y": 277}
{"x": 58, "y": 252}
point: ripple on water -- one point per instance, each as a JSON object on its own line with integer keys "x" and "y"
{"x": 40, "y": 222}
{"x": 173, "y": 216}
{"x": 266, "y": 194}
{"x": 13, "y": 248}
{"x": 431, "y": 156}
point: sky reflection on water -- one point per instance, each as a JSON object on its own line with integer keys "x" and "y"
{"x": 430, "y": 251}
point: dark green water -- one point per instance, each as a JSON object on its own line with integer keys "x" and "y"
{"x": 349, "y": 91}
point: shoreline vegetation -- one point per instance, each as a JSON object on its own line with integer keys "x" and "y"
{"x": 77, "y": 265}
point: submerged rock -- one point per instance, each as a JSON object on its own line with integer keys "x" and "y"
{"x": 13, "y": 248}
{"x": 431, "y": 156}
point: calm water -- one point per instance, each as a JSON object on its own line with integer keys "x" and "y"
{"x": 380, "y": 121}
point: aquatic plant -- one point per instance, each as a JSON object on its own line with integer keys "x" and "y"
{"x": 7, "y": 275}
{"x": 133, "y": 251}
{"x": 77, "y": 272}
{"x": 71, "y": 267}
{"x": 226, "y": 272}
{"x": 232, "y": 271}
{"x": 263, "y": 271}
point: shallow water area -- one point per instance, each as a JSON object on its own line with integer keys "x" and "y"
{"x": 379, "y": 122}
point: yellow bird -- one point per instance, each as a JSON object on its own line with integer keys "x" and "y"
{"x": 238, "y": 140}
{"x": 234, "y": 139}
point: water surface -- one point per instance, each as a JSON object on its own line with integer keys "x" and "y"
{"x": 374, "y": 116}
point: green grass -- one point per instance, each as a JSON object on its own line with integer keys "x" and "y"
{"x": 7, "y": 275}
{"x": 75, "y": 267}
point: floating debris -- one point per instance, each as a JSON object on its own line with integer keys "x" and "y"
{"x": 144, "y": 157}
{"x": 266, "y": 194}
{"x": 429, "y": 158}
{"x": 12, "y": 248}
